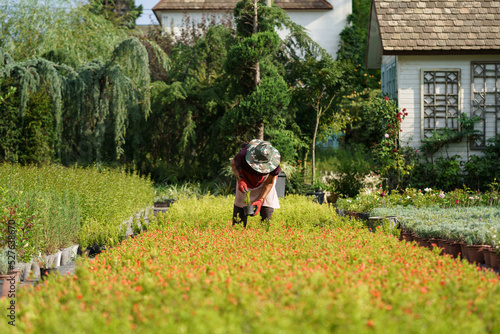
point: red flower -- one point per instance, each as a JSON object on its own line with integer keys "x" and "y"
{"x": 394, "y": 150}
{"x": 386, "y": 98}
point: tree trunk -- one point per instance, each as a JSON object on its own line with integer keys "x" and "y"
{"x": 306, "y": 152}
{"x": 255, "y": 30}
{"x": 260, "y": 131}
{"x": 314, "y": 148}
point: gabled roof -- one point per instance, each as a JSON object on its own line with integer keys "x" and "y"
{"x": 434, "y": 27}
{"x": 229, "y": 5}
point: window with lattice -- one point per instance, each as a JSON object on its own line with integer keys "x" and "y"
{"x": 440, "y": 100}
{"x": 485, "y": 98}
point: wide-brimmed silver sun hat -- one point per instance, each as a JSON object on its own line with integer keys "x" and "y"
{"x": 262, "y": 156}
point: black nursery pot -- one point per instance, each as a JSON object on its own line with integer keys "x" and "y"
{"x": 249, "y": 210}
{"x": 45, "y": 272}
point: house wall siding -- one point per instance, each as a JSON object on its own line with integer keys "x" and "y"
{"x": 323, "y": 26}
{"x": 409, "y": 93}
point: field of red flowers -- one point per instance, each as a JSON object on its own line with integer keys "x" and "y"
{"x": 218, "y": 279}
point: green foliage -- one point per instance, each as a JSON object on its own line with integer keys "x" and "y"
{"x": 394, "y": 162}
{"x": 119, "y": 12}
{"x": 319, "y": 86}
{"x": 353, "y": 42}
{"x": 373, "y": 116}
{"x": 6, "y": 255}
{"x": 257, "y": 85}
{"x": 345, "y": 169}
{"x": 437, "y": 140}
{"x": 480, "y": 171}
{"x": 210, "y": 211}
{"x": 55, "y": 207}
{"x": 187, "y": 190}
{"x": 31, "y": 28}
{"x": 287, "y": 142}
{"x": 98, "y": 99}
{"x": 460, "y": 224}
{"x": 27, "y": 137}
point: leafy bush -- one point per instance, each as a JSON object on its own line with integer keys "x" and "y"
{"x": 345, "y": 169}
{"x": 27, "y": 137}
{"x": 480, "y": 171}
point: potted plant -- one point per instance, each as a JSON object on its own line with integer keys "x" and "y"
{"x": 249, "y": 209}
{"x": 45, "y": 270}
{"x": 318, "y": 192}
{"x": 7, "y": 276}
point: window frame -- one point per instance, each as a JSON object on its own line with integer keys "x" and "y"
{"x": 423, "y": 94}
{"x": 473, "y": 99}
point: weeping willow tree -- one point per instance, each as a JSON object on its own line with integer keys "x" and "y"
{"x": 91, "y": 105}
{"x": 31, "y": 28}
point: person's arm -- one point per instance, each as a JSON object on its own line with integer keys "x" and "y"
{"x": 266, "y": 188}
{"x": 236, "y": 172}
{"x": 268, "y": 185}
{"x": 242, "y": 185}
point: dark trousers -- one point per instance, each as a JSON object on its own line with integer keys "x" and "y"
{"x": 266, "y": 212}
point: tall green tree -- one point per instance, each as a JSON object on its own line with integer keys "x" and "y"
{"x": 261, "y": 92}
{"x": 319, "y": 87}
{"x": 353, "y": 44}
{"x": 89, "y": 107}
{"x": 32, "y": 28}
{"x": 120, "y": 12}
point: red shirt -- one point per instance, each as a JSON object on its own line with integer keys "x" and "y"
{"x": 252, "y": 178}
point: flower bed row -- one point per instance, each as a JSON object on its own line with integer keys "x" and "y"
{"x": 325, "y": 274}
{"x": 419, "y": 198}
{"x": 462, "y": 229}
{"x": 54, "y": 207}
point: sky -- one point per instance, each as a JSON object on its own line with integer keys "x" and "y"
{"x": 147, "y": 14}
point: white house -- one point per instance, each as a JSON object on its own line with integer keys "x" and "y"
{"x": 323, "y": 19}
{"x": 439, "y": 59}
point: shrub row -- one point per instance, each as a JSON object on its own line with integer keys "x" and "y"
{"x": 54, "y": 207}
{"x": 472, "y": 225}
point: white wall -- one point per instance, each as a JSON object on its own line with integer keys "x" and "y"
{"x": 409, "y": 85}
{"x": 324, "y": 26}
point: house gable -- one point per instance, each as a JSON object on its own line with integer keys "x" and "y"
{"x": 434, "y": 27}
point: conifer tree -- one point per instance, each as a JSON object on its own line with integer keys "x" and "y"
{"x": 262, "y": 93}
{"x": 120, "y": 12}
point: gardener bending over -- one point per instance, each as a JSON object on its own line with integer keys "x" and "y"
{"x": 256, "y": 167}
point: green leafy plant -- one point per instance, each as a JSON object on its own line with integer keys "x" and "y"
{"x": 247, "y": 198}
{"x": 5, "y": 258}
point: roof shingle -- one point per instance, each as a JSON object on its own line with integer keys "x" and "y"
{"x": 229, "y": 5}
{"x": 438, "y": 25}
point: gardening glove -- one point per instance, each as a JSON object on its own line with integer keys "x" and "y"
{"x": 242, "y": 186}
{"x": 258, "y": 204}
